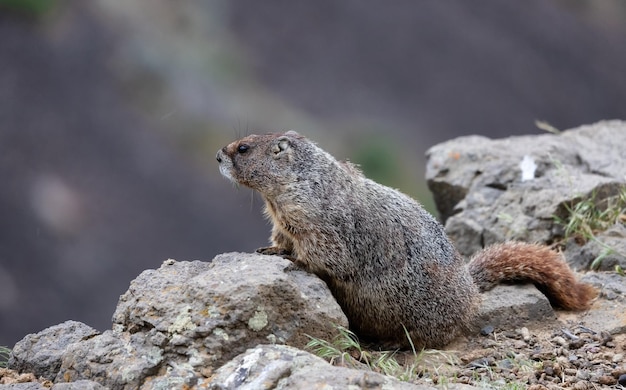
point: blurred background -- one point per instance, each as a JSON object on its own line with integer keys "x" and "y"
{"x": 111, "y": 112}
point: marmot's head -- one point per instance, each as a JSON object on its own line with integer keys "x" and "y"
{"x": 267, "y": 163}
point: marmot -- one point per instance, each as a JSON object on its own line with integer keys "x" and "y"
{"x": 387, "y": 261}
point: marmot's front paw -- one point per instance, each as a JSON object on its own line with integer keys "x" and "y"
{"x": 275, "y": 251}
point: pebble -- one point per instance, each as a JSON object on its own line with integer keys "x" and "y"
{"x": 603, "y": 337}
{"x": 592, "y": 349}
{"x": 577, "y": 343}
{"x": 506, "y": 364}
{"x": 525, "y": 333}
{"x": 606, "y": 380}
{"x": 559, "y": 341}
{"x": 618, "y": 357}
{"x": 618, "y": 371}
{"x": 562, "y": 360}
{"x": 581, "y": 385}
{"x": 490, "y": 343}
{"x": 622, "y": 380}
{"x": 487, "y": 330}
{"x": 569, "y": 334}
{"x": 482, "y": 362}
{"x": 582, "y": 374}
{"x": 586, "y": 330}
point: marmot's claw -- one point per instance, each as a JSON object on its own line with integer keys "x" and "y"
{"x": 275, "y": 251}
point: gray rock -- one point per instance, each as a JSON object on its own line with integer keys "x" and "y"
{"x": 610, "y": 244}
{"x": 605, "y": 316}
{"x": 478, "y": 188}
{"x": 178, "y": 323}
{"x": 42, "y": 353}
{"x": 204, "y": 314}
{"x": 512, "y": 306}
{"x": 284, "y": 367}
{"x": 79, "y": 385}
{"x": 115, "y": 360}
{"x": 612, "y": 286}
{"x": 608, "y": 313}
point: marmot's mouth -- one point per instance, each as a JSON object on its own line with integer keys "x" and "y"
{"x": 225, "y": 165}
{"x": 226, "y": 172}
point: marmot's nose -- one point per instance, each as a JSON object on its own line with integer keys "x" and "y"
{"x": 218, "y": 157}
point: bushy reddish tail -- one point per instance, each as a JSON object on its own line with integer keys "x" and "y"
{"x": 518, "y": 261}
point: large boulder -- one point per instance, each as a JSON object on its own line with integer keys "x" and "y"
{"x": 179, "y": 323}
{"x": 489, "y": 191}
{"x": 208, "y": 313}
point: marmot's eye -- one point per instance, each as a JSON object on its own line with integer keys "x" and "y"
{"x": 243, "y": 148}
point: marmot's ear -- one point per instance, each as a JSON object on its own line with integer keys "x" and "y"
{"x": 281, "y": 146}
{"x": 293, "y": 133}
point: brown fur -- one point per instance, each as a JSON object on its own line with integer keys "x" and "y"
{"x": 386, "y": 260}
{"x": 538, "y": 264}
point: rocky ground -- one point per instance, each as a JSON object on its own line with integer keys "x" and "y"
{"x": 583, "y": 350}
{"x": 571, "y": 356}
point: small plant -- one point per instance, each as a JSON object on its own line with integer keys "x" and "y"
{"x": 346, "y": 350}
{"x": 340, "y": 350}
{"x": 590, "y": 216}
{"x": 4, "y": 356}
{"x": 587, "y": 217}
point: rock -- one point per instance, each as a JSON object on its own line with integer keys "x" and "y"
{"x": 582, "y": 257}
{"x": 206, "y": 313}
{"x": 24, "y": 386}
{"x": 116, "y": 360}
{"x": 78, "y": 385}
{"x": 605, "y": 316}
{"x": 608, "y": 313}
{"x": 284, "y": 367}
{"x": 512, "y": 306}
{"x": 480, "y": 193}
{"x": 487, "y": 330}
{"x": 178, "y": 323}
{"x": 612, "y": 286}
{"x": 525, "y": 333}
{"x": 42, "y": 353}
